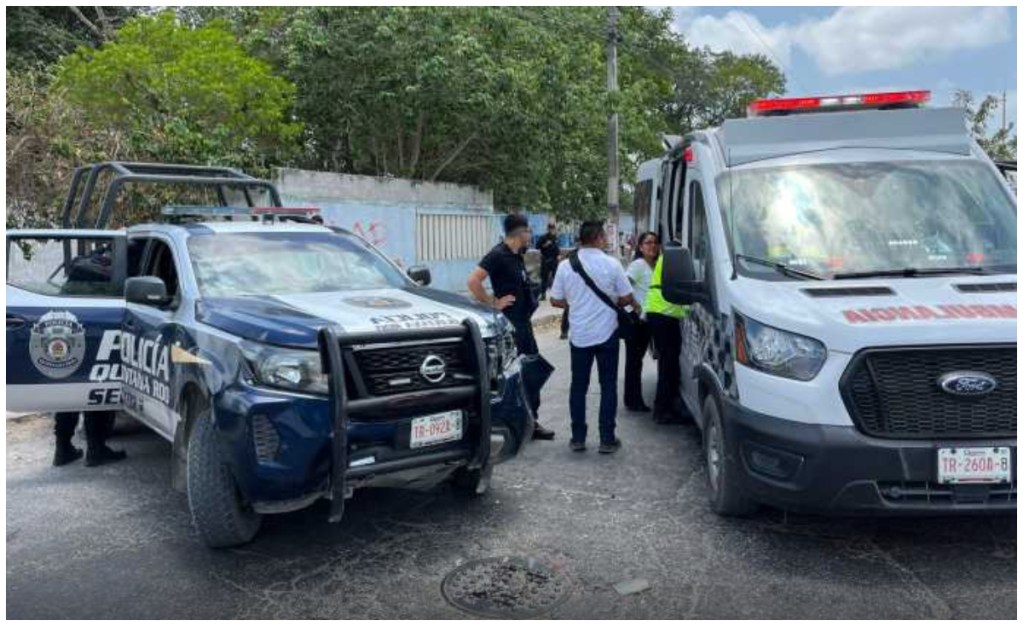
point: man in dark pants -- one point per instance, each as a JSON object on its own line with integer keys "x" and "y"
{"x": 506, "y": 269}
{"x": 594, "y": 331}
{"x": 98, "y": 425}
{"x": 549, "y": 253}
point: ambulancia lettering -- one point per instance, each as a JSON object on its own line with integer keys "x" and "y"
{"x": 925, "y": 312}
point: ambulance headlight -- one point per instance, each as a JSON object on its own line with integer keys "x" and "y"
{"x": 285, "y": 368}
{"x": 776, "y": 351}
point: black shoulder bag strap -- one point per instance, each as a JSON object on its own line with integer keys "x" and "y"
{"x": 627, "y": 320}
{"x": 577, "y": 265}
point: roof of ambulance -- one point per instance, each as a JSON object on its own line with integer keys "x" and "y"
{"x": 757, "y": 139}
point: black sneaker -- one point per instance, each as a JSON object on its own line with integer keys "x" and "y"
{"x": 577, "y": 446}
{"x": 66, "y": 454}
{"x": 103, "y": 455}
{"x": 638, "y": 408}
{"x": 610, "y": 448}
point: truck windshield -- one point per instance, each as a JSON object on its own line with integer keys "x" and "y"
{"x": 245, "y": 264}
{"x": 844, "y": 219}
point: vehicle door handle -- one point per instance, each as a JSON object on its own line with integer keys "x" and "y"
{"x": 14, "y": 322}
{"x": 129, "y": 325}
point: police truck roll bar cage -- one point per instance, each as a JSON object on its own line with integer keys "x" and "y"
{"x": 87, "y": 177}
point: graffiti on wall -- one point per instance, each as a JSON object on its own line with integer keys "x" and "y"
{"x": 372, "y": 231}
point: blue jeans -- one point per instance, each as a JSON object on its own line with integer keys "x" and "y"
{"x": 606, "y": 355}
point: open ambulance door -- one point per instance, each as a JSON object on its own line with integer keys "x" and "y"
{"x": 1008, "y": 170}
{"x": 65, "y": 307}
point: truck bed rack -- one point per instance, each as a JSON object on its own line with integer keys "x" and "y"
{"x": 86, "y": 181}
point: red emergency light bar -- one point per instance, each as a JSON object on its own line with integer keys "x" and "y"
{"x": 782, "y": 106}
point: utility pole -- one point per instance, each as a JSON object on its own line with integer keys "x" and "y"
{"x": 1004, "y": 104}
{"x": 613, "y": 174}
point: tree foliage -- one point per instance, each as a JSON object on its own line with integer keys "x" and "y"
{"x": 1000, "y": 144}
{"x": 508, "y": 98}
{"x": 182, "y": 94}
{"x": 38, "y": 36}
{"x": 46, "y": 139}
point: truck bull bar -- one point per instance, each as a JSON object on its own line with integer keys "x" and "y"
{"x": 334, "y": 342}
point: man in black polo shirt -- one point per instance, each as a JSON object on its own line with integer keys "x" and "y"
{"x": 506, "y": 268}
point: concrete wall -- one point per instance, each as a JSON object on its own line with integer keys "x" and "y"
{"x": 383, "y": 211}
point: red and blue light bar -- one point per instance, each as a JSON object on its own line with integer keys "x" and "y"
{"x": 848, "y": 102}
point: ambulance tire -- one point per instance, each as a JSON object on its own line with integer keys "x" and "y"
{"x": 219, "y": 513}
{"x": 726, "y": 496}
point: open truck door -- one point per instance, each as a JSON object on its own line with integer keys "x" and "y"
{"x": 65, "y": 307}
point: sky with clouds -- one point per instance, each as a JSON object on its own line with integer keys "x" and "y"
{"x": 852, "y": 49}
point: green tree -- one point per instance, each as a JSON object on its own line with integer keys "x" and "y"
{"x": 183, "y": 94}
{"x": 508, "y": 98}
{"x": 37, "y": 37}
{"x": 1000, "y": 144}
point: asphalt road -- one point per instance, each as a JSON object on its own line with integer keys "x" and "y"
{"x": 116, "y": 541}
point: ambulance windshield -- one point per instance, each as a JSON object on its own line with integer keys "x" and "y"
{"x": 273, "y": 263}
{"x": 847, "y": 219}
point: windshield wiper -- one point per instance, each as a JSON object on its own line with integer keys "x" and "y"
{"x": 781, "y": 268}
{"x": 910, "y": 272}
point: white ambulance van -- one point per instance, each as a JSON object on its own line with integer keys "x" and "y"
{"x": 850, "y": 266}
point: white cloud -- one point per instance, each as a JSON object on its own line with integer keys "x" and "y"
{"x": 741, "y": 33}
{"x": 862, "y": 39}
{"x": 855, "y": 39}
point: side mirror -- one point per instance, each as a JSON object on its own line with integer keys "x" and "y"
{"x": 148, "y": 290}
{"x": 420, "y": 274}
{"x": 678, "y": 277}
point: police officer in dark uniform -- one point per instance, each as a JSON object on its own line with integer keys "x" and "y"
{"x": 513, "y": 296}
{"x": 98, "y": 425}
{"x": 549, "y": 253}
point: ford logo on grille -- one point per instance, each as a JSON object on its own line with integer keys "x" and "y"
{"x": 967, "y": 383}
{"x": 433, "y": 369}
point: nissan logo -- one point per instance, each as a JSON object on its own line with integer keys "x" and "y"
{"x": 433, "y": 368}
{"x": 967, "y": 383}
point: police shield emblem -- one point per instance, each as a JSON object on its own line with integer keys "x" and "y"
{"x": 57, "y": 344}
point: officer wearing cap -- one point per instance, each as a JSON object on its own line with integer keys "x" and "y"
{"x": 513, "y": 296}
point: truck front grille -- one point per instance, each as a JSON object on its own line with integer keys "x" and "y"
{"x": 923, "y": 492}
{"x": 397, "y": 369}
{"x": 894, "y": 393}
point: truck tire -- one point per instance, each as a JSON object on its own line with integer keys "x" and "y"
{"x": 472, "y": 483}
{"x": 726, "y": 497}
{"x": 218, "y": 510}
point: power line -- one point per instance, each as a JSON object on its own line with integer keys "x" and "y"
{"x": 770, "y": 50}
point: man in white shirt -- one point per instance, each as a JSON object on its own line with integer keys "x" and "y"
{"x": 593, "y": 331}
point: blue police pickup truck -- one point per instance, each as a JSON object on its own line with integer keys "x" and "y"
{"x": 286, "y": 361}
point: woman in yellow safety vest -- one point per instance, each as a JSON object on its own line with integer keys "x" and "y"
{"x": 666, "y": 332}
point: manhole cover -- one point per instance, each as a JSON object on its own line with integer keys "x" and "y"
{"x": 505, "y": 587}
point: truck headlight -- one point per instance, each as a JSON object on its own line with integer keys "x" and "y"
{"x": 501, "y": 351}
{"x": 776, "y": 351}
{"x": 286, "y": 368}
